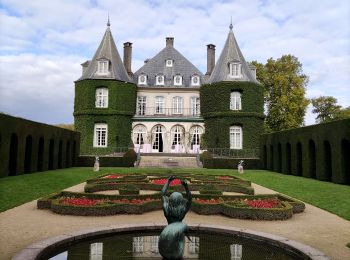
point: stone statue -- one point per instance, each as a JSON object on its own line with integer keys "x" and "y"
{"x": 240, "y": 166}
{"x": 175, "y": 207}
{"x": 97, "y": 164}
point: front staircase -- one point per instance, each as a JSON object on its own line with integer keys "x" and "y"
{"x": 168, "y": 161}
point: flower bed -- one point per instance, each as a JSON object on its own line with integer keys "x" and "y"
{"x": 175, "y": 182}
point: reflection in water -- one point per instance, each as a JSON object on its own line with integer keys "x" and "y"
{"x": 202, "y": 245}
{"x": 147, "y": 247}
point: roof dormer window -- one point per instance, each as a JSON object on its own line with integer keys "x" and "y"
{"x": 235, "y": 70}
{"x": 142, "y": 79}
{"x": 195, "y": 80}
{"x": 169, "y": 63}
{"x": 177, "y": 80}
{"x": 103, "y": 67}
{"x": 160, "y": 80}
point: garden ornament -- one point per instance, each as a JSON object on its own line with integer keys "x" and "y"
{"x": 175, "y": 207}
{"x": 240, "y": 166}
{"x": 97, "y": 164}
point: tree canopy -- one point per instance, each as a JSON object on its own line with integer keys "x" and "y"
{"x": 285, "y": 86}
{"x": 327, "y": 109}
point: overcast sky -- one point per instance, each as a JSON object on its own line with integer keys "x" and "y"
{"x": 44, "y": 42}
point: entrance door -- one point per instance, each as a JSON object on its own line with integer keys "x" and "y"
{"x": 158, "y": 139}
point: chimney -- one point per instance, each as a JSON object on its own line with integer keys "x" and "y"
{"x": 252, "y": 69}
{"x": 170, "y": 41}
{"x": 210, "y": 58}
{"x": 127, "y": 57}
{"x": 85, "y": 66}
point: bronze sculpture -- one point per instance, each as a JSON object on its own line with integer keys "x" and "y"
{"x": 175, "y": 207}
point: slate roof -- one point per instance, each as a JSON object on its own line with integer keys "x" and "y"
{"x": 230, "y": 52}
{"x": 156, "y": 66}
{"x": 107, "y": 50}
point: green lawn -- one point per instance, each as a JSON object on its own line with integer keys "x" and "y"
{"x": 334, "y": 198}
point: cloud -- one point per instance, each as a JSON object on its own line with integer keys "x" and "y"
{"x": 43, "y": 42}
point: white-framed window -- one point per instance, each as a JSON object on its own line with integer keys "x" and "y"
{"x": 169, "y": 63}
{"x": 139, "y": 135}
{"x": 177, "y": 105}
{"x": 159, "y": 109}
{"x": 195, "y": 135}
{"x": 101, "y": 97}
{"x": 235, "y": 70}
{"x": 195, "y": 106}
{"x": 160, "y": 80}
{"x": 177, "y": 80}
{"x": 195, "y": 80}
{"x": 235, "y": 101}
{"x": 236, "y": 137}
{"x": 100, "y": 135}
{"x": 96, "y": 251}
{"x": 142, "y": 79}
{"x": 177, "y": 135}
{"x": 141, "y": 105}
{"x": 102, "y": 67}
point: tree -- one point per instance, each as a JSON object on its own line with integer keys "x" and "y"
{"x": 326, "y": 108}
{"x": 285, "y": 85}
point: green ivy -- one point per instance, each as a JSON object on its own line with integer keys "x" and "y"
{"x": 118, "y": 115}
{"x": 218, "y": 117}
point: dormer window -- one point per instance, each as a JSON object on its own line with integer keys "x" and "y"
{"x": 160, "y": 80}
{"x": 103, "y": 67}
{"x": 235, "y": 70}
{"x": 195, "y": 80}
{"x": 142, "y": 79}
{"x": 177, "y": 80}
{"x": 169, "y": 63}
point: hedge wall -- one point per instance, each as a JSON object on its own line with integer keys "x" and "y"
{"x": 215, "y": 109}
{"x": 121, "y": 108}
{"x": 27, "y": 146}
{"x": 320, "y": 151}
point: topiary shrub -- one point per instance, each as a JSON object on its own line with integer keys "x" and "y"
{"x": 129, "y": 158}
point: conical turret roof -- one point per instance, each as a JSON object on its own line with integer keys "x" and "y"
{"x": 107, "y": 51}
{"x": 231, "y": 53}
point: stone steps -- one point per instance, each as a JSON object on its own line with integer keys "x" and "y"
{"x": 167, "y": 162}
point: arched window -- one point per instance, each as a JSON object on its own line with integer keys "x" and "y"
{"x": 142, "y": 79}
{"x": 195, "y": 80}
{"x": 195, "y": 135}
{"x": 100, "y": 135}
{"x": 177, "y": 136}
{"x": 178, "y": 80}
{"x": 177, "y": 105}
{"x": 160, "y": 105}
{"x": 101, "y": 97}
{"x": 235, "y": 101}
{"x": 157, "y": 138}
{"x": 235, "y": 69}
{"x": 236, "y": 135}
{"x": 139, "y": 135}
{"x": 160, "y": 80}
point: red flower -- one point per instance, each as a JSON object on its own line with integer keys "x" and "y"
{"x": 80, "y": 201}
{"x": 163, "y": 181}
{"x": 112, "y": 176}
{"x": 211, "y": 201}
{"x": 263, "y": 203}
{"x": 223, "y": 177}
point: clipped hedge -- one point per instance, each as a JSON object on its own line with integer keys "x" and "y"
{"x": 288, "y": 206}
{"x": 27, "y": 146}
{"x": 118, "y": 115}
{"x": 218, "y": 117}
{"x": 127, "y": 160}
{"x": 318, "y": 151}
{"x": 230, "y": 163}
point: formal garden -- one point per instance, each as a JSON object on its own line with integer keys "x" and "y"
{"x": 215, "y": 191}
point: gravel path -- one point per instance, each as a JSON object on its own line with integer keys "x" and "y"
{"x": 24, "y": 225}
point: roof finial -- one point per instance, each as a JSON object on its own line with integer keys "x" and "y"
{"x": 231, "y": 26}
{"x": 108, "y": 23}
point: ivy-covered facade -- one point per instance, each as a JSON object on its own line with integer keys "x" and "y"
{"x": 167, "y": 105}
